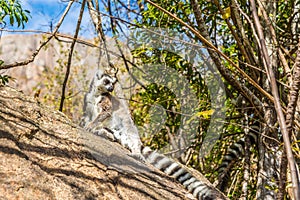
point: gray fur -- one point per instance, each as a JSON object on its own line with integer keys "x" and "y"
{"x": 233, "y": 154}
{"x": 107, "y": 116}
{"x": 100, "y": 88}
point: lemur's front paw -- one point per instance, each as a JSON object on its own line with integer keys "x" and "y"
{"x": 105, "y": 133}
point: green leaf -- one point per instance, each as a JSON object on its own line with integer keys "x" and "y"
{"x": 11, "y": 20}
{"x": 5, "y": 79}
{"x": 13, "y": 10}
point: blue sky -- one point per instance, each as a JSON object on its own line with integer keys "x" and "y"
{"x": 46, "y": 12}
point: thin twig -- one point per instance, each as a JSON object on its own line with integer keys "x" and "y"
{"x": 97, "y": 21}
{"x": 64, "y": 86}
{"x": 234, "y": 33}
{"x": 57, "y": 36}
{"x": 31, "y": 59}
{"x": 113, "y": 28}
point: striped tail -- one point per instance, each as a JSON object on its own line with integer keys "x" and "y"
{"x": 233, "y": 154}
{"x": 199, "y": 189}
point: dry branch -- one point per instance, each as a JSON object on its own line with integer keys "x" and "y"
{"x": 64, "y": 86}
{"x": 31, "y": 59}
{"x": 278, "y": 108}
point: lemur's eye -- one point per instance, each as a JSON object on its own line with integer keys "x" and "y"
{"x": 106, "y": 82}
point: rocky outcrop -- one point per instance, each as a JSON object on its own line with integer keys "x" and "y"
{"x": 43, "y": 155}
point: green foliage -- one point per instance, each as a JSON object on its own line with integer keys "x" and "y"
{"x": 147, "y": 98}
{"x": 15, "y": 12}
{"x": 154, "y": 95}
{"x": 5, "y": 79}
{"x": 157, "y": 95}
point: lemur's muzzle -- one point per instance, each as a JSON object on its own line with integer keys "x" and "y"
{"x": 110, "y": 89}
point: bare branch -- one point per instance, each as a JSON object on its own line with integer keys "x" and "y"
{"x": 97, "y": 21}
{"x": 247, "y": 159}
{"x": 31, "y": 59}
{"x": 113, "y": 27}
{"x": 96, "y": 18}
{"x": 239, "y": 24}
{"x": 70, "y": 57}
{"x": 274, "y": 39}
{"x": 234, "y": 33}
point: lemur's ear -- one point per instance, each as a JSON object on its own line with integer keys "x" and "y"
{"x": 99, "y": 74}
{"x": 112, "y": 70}
{"x": 115, "y": 72}
{"x": 107, "y": 71}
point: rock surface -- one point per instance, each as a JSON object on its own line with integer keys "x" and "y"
{"x": 43, "y": 155}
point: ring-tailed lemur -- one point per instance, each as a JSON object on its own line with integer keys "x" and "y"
{"x": 107, "y": 116}
{"x": 233, "y": 153}
{"x": 113, "y": 118}
{"x": 104, "y": 114}
{"x": 97, "y": 105}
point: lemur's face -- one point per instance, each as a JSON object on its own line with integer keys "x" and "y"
{"x": 105, "y": 83}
